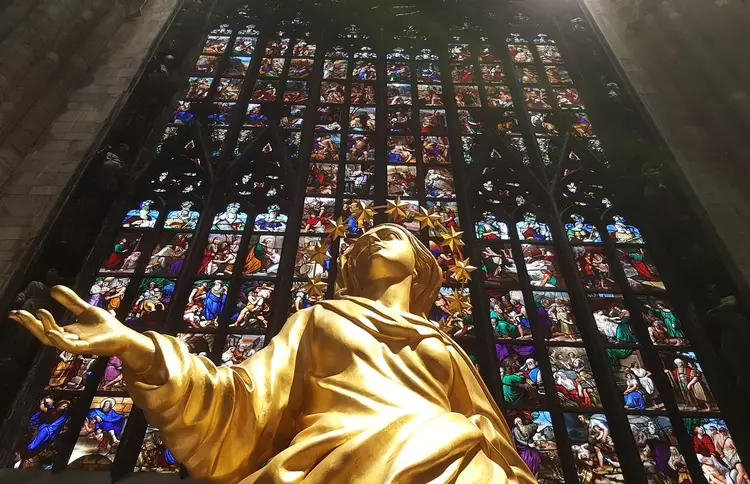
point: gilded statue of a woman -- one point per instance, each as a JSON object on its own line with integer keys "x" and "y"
{"x": 363, "y": 389}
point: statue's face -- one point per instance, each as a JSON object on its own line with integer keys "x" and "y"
{"x": 390, "y": 255}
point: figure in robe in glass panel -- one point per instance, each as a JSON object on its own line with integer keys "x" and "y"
{"x": 622, "y": 232}
{"x": 598, "y": 454}
{"x": 142, "y": 217}
{"x": 499, "y": 266}
{"x": 168, "y": 257}
{"x": 101, "y": 432}
{"x": 664, "y": 327}
{"x": 271, "y": 221}
{"x": 531, "y": 229}
{"x": 186, "y": 218}
{"x": 264, "y": 255}
{"x": 574, "y": 379}
{"x": 107, "y": 293}
{"x": 49, "y": 421}
{"x": 640, "y": 270}
{"x": 581, "y": 231}
{"x": 253, "y": 306}
{"x": 230, "y": 219}
{"x": 112, "y": 379}
{"x": 123, "y": 257}
{"x": 690, "y": 387}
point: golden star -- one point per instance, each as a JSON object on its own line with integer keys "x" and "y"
{"x": 336, "y": 228}
{"x": 445, "y": 325}
{"x": 363, "y": 212}
{"x": 427, "y": 218}
{"x": 319, "y": 253}
{"x": 398, "y": 209}
{"x": 458, "y": 302}
{"x": 314, "y": 287}
{"x": 452, "y": 239}
{"x": 462, "y": 270}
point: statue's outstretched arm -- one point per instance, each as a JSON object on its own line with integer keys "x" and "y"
{"x": 221, "y": 423}
{"x": 95, "y": 332}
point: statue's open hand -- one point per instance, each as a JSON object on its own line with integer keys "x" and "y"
{"x": 94, "y": 332}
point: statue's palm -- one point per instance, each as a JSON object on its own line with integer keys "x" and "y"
{"x": 94, "y": 332}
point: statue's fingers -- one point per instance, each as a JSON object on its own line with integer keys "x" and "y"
{"x": 69, "y": 299}
{"x": 28, "y": 321}
{"x": 61, "y": 342}
{"x": 48, "y": 321}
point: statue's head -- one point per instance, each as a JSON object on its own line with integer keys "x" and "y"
{"x": 389, "y": 252}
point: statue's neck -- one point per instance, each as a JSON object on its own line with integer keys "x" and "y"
{"x": 393, "y": 295}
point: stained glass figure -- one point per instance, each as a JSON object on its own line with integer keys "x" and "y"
{"x": 142, "y": 217}
{"x": 335, "y": 69}
{"x": 125, "y": 254}
{"x": 360, "y": 148}
{"x": 688, "y": 382}
{"x": 220, "y": 255}
{"x": 329, "y": 119}
{"x": 612, "y": 318}
{"x": 107, "y": 293}
{"x": 715, "y": 449}
{"x": 316, "y": 213}
{"x": 498, "y": 265}
{"x": 401, "y": 149}
{"x": 37, "y": 447}
{"x": 322, "y": 179}
{"x": 535, "y": 443}
{"x": 664, "y": 327}
{"x": 154, "y": 455}
{"x": 402, "y": 180}
{"x": 362, "y": 119}
{"x": 326, "y": 147}
{"x": 428, "y": 72}
{"x": 542, "y": 267}
{"x": 520, "y": 375}
{"x": 439, "y": 183}
{"x": 508, "y": 315}
{"x": 468, "y": 96}
{"x": 215, "y": 45}
{"x": 253, "y": 307}
{"x": 70, "y": 372}
{"x": 574, "y": 379}
{"x": 634, "y": 380}
{"x": 99, "y": 438}
{"x": 555, "y": 316}
{"x": 399, "y": 120}
{"x": 362, "y": 94}
{"x": 205, "y": 304}
{"x": 490, "y": 228}
{"x": 492, "y": 73}
{"x": 640, "y": 270}
{"x": 272, "y": 220}
{"x": 331, "y": 92}
{"x": 264, "y": 255}
{"x": 240, "y": 347}
{"x": 302, "y": 298}
{"x": 430, "y": 95}
{"x": 531, "y": 229}
{"x": 594, "y": 268}
{"x": 399, "y": 94}
{"x": 594, "y": 452}
{"x": 579, "y": 230}
{"x": 450, "y": 311}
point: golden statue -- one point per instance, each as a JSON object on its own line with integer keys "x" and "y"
{"x": 363, "y": 389}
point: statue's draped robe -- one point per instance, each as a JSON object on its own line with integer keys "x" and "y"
{"x": 349, "y": 392}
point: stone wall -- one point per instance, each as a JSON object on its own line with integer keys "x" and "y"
{"x": 686, "y": 61}
{"x": 68, "y": 67}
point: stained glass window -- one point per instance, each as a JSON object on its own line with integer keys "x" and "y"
{"x": 288, "y": 143}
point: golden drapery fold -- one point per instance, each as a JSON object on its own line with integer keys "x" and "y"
{"x": 348, "y": 392}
